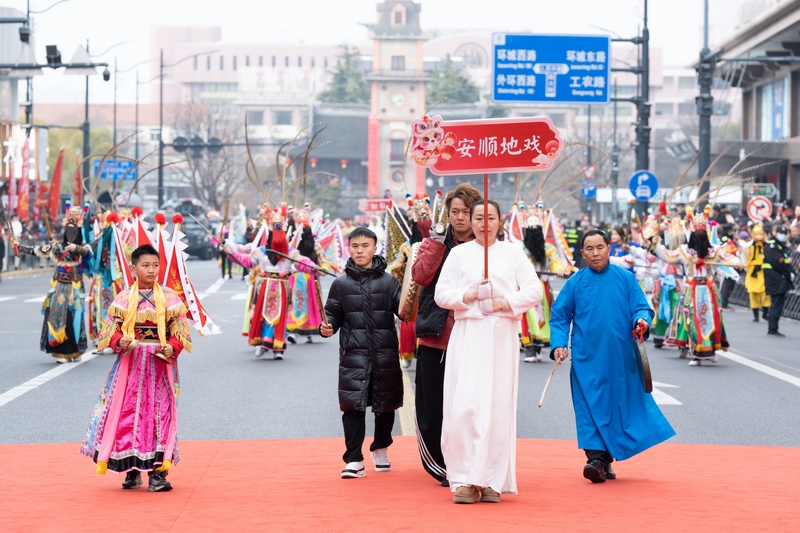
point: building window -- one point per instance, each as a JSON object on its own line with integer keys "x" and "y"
{"x": 398, "y": 16}
{"x": 398, "y": 150}
{"x": 686, "y": 109}
{"x": 222, "y": 62}
{"x": 664, "y": 110}
{"x": 274, "y": 61}
{"x": 282, "y": 118}
{"x": 397, "y": 176}
{"x": 260, "y": 61}
{"x": 312, "y": 62}
{"x": 234, "y": 63}
{"x": 286, "y": 61}
{"x": 686, "y": 82}
{"x": 669, "y": 82}
{"x": 775, "y": 110}
{"x": 208, "y": 62}
{"x": 255, "y": 118}
{"x": 398, "y": 62}
{"x": 195, "y": 62}
{"x": 247, "y": 61}
{"x": 155, "y": 135}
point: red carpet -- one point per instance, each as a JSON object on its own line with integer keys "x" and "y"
{"x": 294, "y": 485}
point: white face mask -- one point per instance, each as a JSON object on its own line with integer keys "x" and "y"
{"x": 781, "y": 237}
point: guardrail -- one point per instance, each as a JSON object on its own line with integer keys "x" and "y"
{"x": 24, "y": 261}
{"x": 791, "y": 309}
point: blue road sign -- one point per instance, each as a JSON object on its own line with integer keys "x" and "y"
{"x": 643, "y": 185}
{"x": 589, "y": 189}
{"x": 574, "y": 69}
{"x": 115, "y": 170}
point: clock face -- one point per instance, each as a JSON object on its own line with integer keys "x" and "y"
{"x": 397, "y": 99}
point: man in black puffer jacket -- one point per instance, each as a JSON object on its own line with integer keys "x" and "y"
{"x": 362, "y": 304}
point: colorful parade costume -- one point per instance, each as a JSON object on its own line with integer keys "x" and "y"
{"x": 107, "y": 280}
{"x": 304, "y": 316}
{"x": 64, "y": 330}
{"x": 698, "y": 324}
{"x": 753, "y": 252}
{"x": 135, "y": 421}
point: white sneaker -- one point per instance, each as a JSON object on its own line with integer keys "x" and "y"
{"x": 77, "y": 359}
{"x": 353, "y": 470}
{"x": 405, "y": 363}
{"x": 713, "y": 359}
{"x": 291, "y": 338}
{"x": 539, "y": 357}
{"x": 61, "y": 360}
{"x": 530, "y": 359}
{"x": 278, "y": 356}
{"x": 380, "y": 458}
{"x": 694, "y": 362}
{"x": 260, "y": 351}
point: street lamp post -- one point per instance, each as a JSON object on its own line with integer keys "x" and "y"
{"x": 86, "y": 137}
{"x": 614, "y": 162}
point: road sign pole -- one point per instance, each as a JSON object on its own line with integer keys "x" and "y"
{"x": 588, "y": 208}
{"x": 643, "y": 111}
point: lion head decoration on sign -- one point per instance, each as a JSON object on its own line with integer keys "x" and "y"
{"x": 429, "y": 142}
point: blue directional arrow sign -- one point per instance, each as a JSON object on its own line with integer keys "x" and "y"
{"x": 643, "y": 185}
{"x": 589, "y": 189}
{"x": 571, "y": 69}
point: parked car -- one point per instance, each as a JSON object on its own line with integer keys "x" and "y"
{"x": 198, "y": 241}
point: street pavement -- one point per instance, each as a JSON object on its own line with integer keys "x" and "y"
{"x": 749, "y": 397}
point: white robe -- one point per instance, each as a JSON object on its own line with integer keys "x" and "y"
{"x": 479, "y": 426}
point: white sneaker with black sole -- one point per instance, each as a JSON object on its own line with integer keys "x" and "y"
{"x": 380, "y": 458}
{"x": 278, "y": 356}
{"x": 353, "y": 470}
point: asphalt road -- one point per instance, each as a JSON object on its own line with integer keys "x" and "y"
{"x": 226, "y": 393}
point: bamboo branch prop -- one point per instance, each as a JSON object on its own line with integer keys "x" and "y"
{"x": 552, "y": 170}
{"x": 153, "y": 170}
{"x": 305, "y": 160}
{"x": 680, "y": 179}
{"x": 547, "y": 385}
{"x": 102, "y": 165}
{"x": 748, "y": 169}
{"x": 47, "y": 227}
{"x": 259, "y": 185}
{"x": 569, "y": 180}
{"x": 746, "y": 156}
{"x": 320, "y": 305}
{"x": 314, "y": 268}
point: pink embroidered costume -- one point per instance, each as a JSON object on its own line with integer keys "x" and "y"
{"x": 135, "y": 421}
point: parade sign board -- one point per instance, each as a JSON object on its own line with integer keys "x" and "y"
{"x": 573, "y": 69}
{"x": 373, "y": 206}
{"x": 484, "y": 146}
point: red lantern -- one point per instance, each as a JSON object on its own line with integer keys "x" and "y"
{"x": 344, "y": 163}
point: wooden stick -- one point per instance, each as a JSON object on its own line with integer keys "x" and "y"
{"x": 320, "y": 304}
{"x": 546, "y": 385}
{"x": 486, "y": 226}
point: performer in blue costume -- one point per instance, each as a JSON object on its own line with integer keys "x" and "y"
{"x": 604, "y": 304}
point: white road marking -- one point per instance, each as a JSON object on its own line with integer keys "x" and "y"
{"x": 41, "y": 379}
{"x": 37, "y": 300}
{"x": 239, "y": 296}
{"x": 407, "y": 424}
{"x": 6, "y": 298}
{"x": 768, "y": 370}
{"x": 661, "y": 397}
{"x": 213, "y": 288}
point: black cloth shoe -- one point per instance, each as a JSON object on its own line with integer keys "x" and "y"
{"x": 158, "y": 482}
{"x": 765, "y": 313}
{"x": 775, "y": 334}
{"x": 445, "y": 483}
{"x": 594, "y": 471}
{"x": 755, "y": 315}
{"x": 133, "y": 480}
{"x": 610, "y": 473}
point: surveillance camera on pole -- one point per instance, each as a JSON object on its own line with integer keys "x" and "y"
{"x": 24, "y": 33}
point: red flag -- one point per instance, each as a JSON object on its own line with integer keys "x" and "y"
{"x": 12, "y": 187}
{"x": 77, "y": 187}
{"x": 55, "y": 186}
{"x": 23, "y": 208}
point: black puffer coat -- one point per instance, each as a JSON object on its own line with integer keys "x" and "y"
{"x": 363, "y": 304}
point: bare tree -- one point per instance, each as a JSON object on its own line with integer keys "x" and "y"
{"x": 214, "y": 178}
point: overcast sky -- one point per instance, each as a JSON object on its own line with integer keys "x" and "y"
{"x": 675, "y": 26}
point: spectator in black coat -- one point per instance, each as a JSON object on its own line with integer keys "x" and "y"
{"x": 363, "y": 304}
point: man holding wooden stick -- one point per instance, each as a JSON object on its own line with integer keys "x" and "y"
{"x": 605, "y": 308}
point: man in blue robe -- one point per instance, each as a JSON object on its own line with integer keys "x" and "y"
{"x": 604, "y": 304}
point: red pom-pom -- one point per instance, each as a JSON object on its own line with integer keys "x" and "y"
{"x": 112, "y": 218}
{"x": 662, "y": 208}
{"x": 137, "y": 211}
{"x": 177, "y": 218}
{"x": 439, "y": 192}
{"x": 160, "y": 219}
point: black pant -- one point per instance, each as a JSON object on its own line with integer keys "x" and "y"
{"x": 226, "y": 264}
{"x": 602, "y": 455}
{"x": 428, "y": 403}
{"x": 775, "y": 311}
{"x": 355, "y": 426}
{"x": 725, "y": 291}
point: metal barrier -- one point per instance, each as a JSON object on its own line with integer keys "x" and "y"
{"x": 24, "y": 261}
{"x": 791, "y": 309}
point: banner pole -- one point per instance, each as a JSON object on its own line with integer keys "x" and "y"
{"x": 486, "y": 226}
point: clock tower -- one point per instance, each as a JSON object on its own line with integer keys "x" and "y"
{"x": 398, "y": 96}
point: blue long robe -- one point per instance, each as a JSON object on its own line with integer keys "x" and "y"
{"x": 612, "y": 411}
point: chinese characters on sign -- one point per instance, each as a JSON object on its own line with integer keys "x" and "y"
{"x": 551, "y": 68}
{"x": 483, "y": 146}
